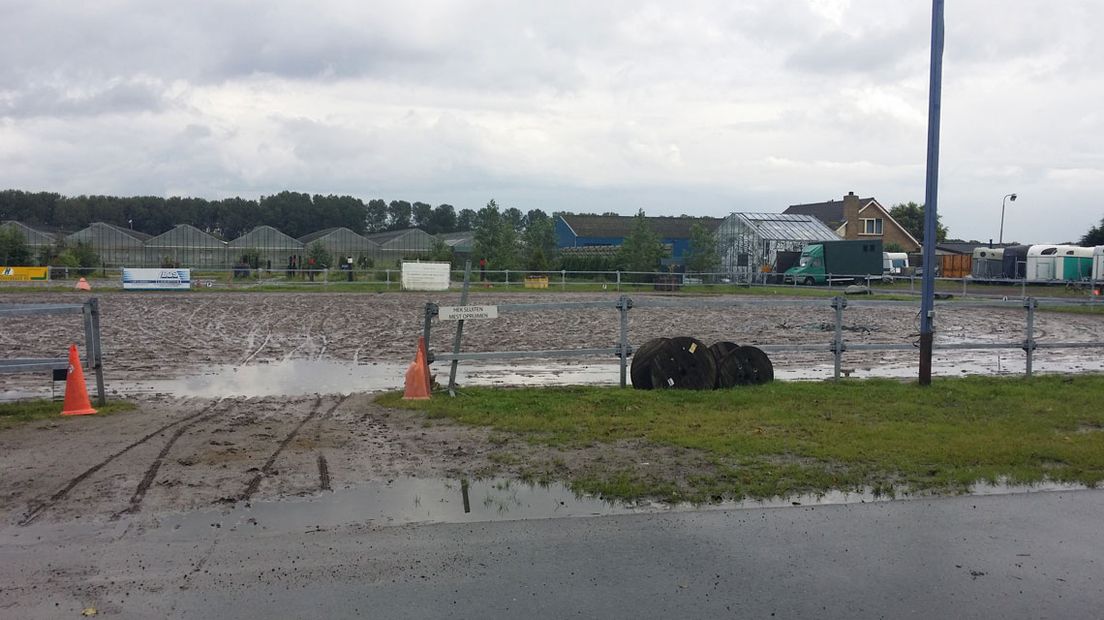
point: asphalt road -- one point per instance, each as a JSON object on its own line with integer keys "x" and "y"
{"x": 1033, "y": 555}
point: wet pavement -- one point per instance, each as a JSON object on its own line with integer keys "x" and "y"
{"x": 1015, "y": 556}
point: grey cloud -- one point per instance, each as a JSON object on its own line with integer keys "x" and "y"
{"x": 841, "y": 52}
{"x": 54, "y": 101}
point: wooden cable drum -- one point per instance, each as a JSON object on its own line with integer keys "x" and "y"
{"x": 641, "y": 369}
{"x": 734, "y": 369}
{"x": 760, "y": 366}
{"x": 719, "y": 350}
{"x": 684, "y": 363}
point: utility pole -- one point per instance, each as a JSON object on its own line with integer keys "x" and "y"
{"x": 931, "y": 192}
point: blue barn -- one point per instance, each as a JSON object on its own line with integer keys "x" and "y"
{"x": 576, "y": 231}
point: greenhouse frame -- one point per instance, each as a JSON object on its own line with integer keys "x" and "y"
{"x": 186, "y": 246}
{"x": 749, "y": 243}
{"x": 395, "y": 245}
{"x": 341, "y": 244}
{"x": 271, "y": 248}
{"x": 116, "y": 246}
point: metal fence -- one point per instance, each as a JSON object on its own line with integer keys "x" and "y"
{"x": 245, "y": 277}
{"x": 90, "y": 313}
{"x": 622, "y": 349}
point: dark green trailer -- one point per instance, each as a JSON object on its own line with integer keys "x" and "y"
{"x": 840, "y": 260}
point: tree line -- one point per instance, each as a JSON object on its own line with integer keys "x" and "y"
{"x": 294, "y": 213}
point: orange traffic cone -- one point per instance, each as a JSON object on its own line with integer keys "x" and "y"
{"x": 417, "y": 375}
{"x": 83, "y": 285}
{"x": 76, "y": 393}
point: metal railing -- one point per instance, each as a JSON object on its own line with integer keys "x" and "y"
{"x": 597, "y": 281}
{"x": 837, "y": 346}
{"x": 90, "y": 313}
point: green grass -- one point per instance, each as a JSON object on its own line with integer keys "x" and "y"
{"x": 20, "y": 412}
{"x": 801, "y": 437}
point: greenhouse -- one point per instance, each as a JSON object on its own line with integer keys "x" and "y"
{"x": 395, "y": 245}
{"x": 264, "y": 247}
{"x": 37, "y": 241}
{"x": 342, "y": 243}
{"x": 749, "y": 243}
{"x": 116, "y": 246}
{"x": 186, "y": 246}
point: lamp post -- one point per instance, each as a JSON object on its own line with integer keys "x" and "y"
{"x": 1003, "y": 203}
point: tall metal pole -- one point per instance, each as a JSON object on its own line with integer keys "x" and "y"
{"x": 1000, "y": 239}
{"x": 931, "y": 191}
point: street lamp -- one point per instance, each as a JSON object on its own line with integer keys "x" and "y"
{"x": 1004, "y": 202}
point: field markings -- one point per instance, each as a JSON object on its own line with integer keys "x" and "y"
{"x": 57, "y": 497}
{"x": 151, "y": 472}
{"x": 266, "y": 469}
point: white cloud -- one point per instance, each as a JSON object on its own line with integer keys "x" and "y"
{"x": 698, "y": 107}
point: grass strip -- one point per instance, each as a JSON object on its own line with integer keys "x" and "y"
{"x": 811, "y": 437}
{"x": 20, "y": 412}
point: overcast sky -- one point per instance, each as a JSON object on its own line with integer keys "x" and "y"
{"x": 689, "y": 107}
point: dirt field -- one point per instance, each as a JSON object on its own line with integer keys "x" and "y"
{"x": 181, "y": 453}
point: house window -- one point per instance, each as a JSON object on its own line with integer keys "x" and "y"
{"x": 872, "y": 226}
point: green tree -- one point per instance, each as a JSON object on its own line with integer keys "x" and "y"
{"x": 440, "y": 252}
{"x": 703, "y": 256}
{"x": 443, "y": 220}
{"x": 465, "y": 220}
{"x": 1095, "y": 236}
{"x": 911, "y": 217}
{"x": 421, "y": 213}
{"x": 376, "y": 216}
{"x": 14, "y": 251}
{"x": 642, "y": 249}
{"x": 495, "y": 239}
{"x": 400, "y": 213}
{"x": 320, "y": 254}
{"x": 540, "y": 242}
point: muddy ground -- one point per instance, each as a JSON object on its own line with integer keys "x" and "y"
{"x": 182, "y": 453}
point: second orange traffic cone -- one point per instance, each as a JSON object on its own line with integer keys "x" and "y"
{"x": 76, "y": 393}
{"x": 417, "y": 375}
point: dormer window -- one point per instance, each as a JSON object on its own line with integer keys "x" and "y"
{"x": 871, "y": 226}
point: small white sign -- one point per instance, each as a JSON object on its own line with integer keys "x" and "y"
{"x": 463, "y": 313}
{"x": 425, "y": 276}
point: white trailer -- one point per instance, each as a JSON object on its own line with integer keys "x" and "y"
{"x": 988, "y": 263}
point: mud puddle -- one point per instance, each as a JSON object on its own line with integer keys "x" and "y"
{"x": 415, "y": 500}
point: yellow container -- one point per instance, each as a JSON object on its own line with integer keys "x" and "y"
{"x": 536, "y": 281}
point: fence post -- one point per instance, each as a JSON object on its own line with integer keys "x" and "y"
{"x": 839, "y": 303}
{"x": 623, "y": 306}
{"x": 1029, "y": 334}
{"x": 619, "y": 290}
{"x": 507, "y": 285}
{"x": 563, "y": 279}
{"x": 94, "y": 355}
{"x": 459, "y": 329}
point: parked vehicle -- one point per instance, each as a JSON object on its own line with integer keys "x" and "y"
{"x": 894, "y": 263}
{"x": 987, "y": 263}
{"x": 1065, "y": 263}
{"x": 838, "y": 260}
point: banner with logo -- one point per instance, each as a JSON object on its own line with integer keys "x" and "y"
{"x": 157, "y": 279}
{"x": 22, "y": 274}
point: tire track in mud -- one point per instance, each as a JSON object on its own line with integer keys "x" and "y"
{"x": 266, "y": 469}
{"x": 324, "y": 481}
{"x": 151, "y": 471}
{"x": 60, "y": 495}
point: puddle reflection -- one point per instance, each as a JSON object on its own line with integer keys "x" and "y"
{"x": 417, "y": 500}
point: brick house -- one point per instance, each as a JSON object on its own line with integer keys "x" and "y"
{"x": 859, "y": 218}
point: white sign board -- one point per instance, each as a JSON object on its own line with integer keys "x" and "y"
{"x": 463, "y": 313}
{"x": 425, "y": 276}
{"x": 157, "y": 279}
